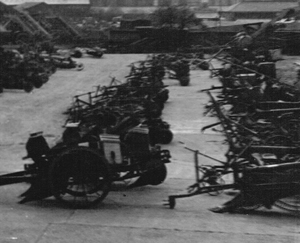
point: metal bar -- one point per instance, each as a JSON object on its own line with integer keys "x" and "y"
{"x": 207, "y": 156}
{"x": 197, "y": 169}
{"x": 205, "y": 189}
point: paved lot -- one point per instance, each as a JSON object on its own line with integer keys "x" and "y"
{"x": 136, "y": 215}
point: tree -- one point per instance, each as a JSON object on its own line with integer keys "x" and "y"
{"x": 178, "y": 17}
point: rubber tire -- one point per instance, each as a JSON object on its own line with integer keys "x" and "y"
{"x": 79, "y": 66}
{"x": 37, "y": 82}
{"x": 184, "y": 81}
{"x": 28, "y": 86}
{"x": 77, "y": 54}
{"x": 155, "y": 174}
{"x": 166, "y": 136}
{"x": 159, "y": 175}
{"x": 204, "y": 65}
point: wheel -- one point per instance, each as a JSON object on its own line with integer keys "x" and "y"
{"x": 166, "y": 136}
{"x": 37, "y": 81}
{"x": 162, "y": 96}
{"x": 53, "y": 69}
{"x": 98, "y": 54}
{"x": 155, "y": 174}
{"x": 79, "y": 66}
{"x": 154, "y": 110}
{"x": 158, "y": 175}
{"x": 80, "y": 177}
{"x": 27, "y": 86}
{"x": 184, "y": 81}
{"x": 289, "y": 203}
{"x": 77, "y": 54}
{"x": 71, "y": 135}
{"x": 204, "y": 65}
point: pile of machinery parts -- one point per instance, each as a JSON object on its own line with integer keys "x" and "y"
{"x": 96, "y": 51}
{"x": 29, "y": 66}
{"x": 23, "y": 71}
{"x": 259, "y": 117}
{"x": 63, "y": 62}
{"x": 178, "y": 65}
{"x": 175, "y": 65}
{"x": 111, "y": 135}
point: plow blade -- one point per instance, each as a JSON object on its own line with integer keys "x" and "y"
{"x": 38, "y": 190}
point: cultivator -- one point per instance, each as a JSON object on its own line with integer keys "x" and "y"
{"x": 259, "y": 117}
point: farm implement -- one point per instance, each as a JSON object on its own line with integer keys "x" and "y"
{"x": 259, "y": 117}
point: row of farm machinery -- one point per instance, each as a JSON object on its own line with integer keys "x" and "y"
{"x": 111, "y": 134}
{"x": 30, "y": 65}
{"x": 114, "y": 133}
{"x": 259, "y": 117}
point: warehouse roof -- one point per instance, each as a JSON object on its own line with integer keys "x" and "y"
{"x": 28, "y": 5}
{"x": 213, "y": 15}
{"x": 50, "y": 2}
{"x": 6, "y": 9}
{"x": 262, "y": 6}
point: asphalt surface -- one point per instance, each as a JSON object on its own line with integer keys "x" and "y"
{"x": 138, "y": 215}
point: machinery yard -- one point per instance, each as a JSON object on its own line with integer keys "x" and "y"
{"x": 152, "y": 139}
{"x": 130, "y": 215}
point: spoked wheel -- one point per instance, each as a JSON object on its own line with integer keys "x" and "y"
{"x": 80, "y": 177}
{"x": 289, "y": 203}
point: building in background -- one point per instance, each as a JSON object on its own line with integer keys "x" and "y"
{"x": 158, "y": 3}
{"x": 258, "y": 9}
{"x": 60, "y": 7}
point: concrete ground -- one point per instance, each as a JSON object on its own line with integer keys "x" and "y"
{"x": 136, "y": 215}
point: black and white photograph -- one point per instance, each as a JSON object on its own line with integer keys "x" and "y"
{"x": 141, "y": 121}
